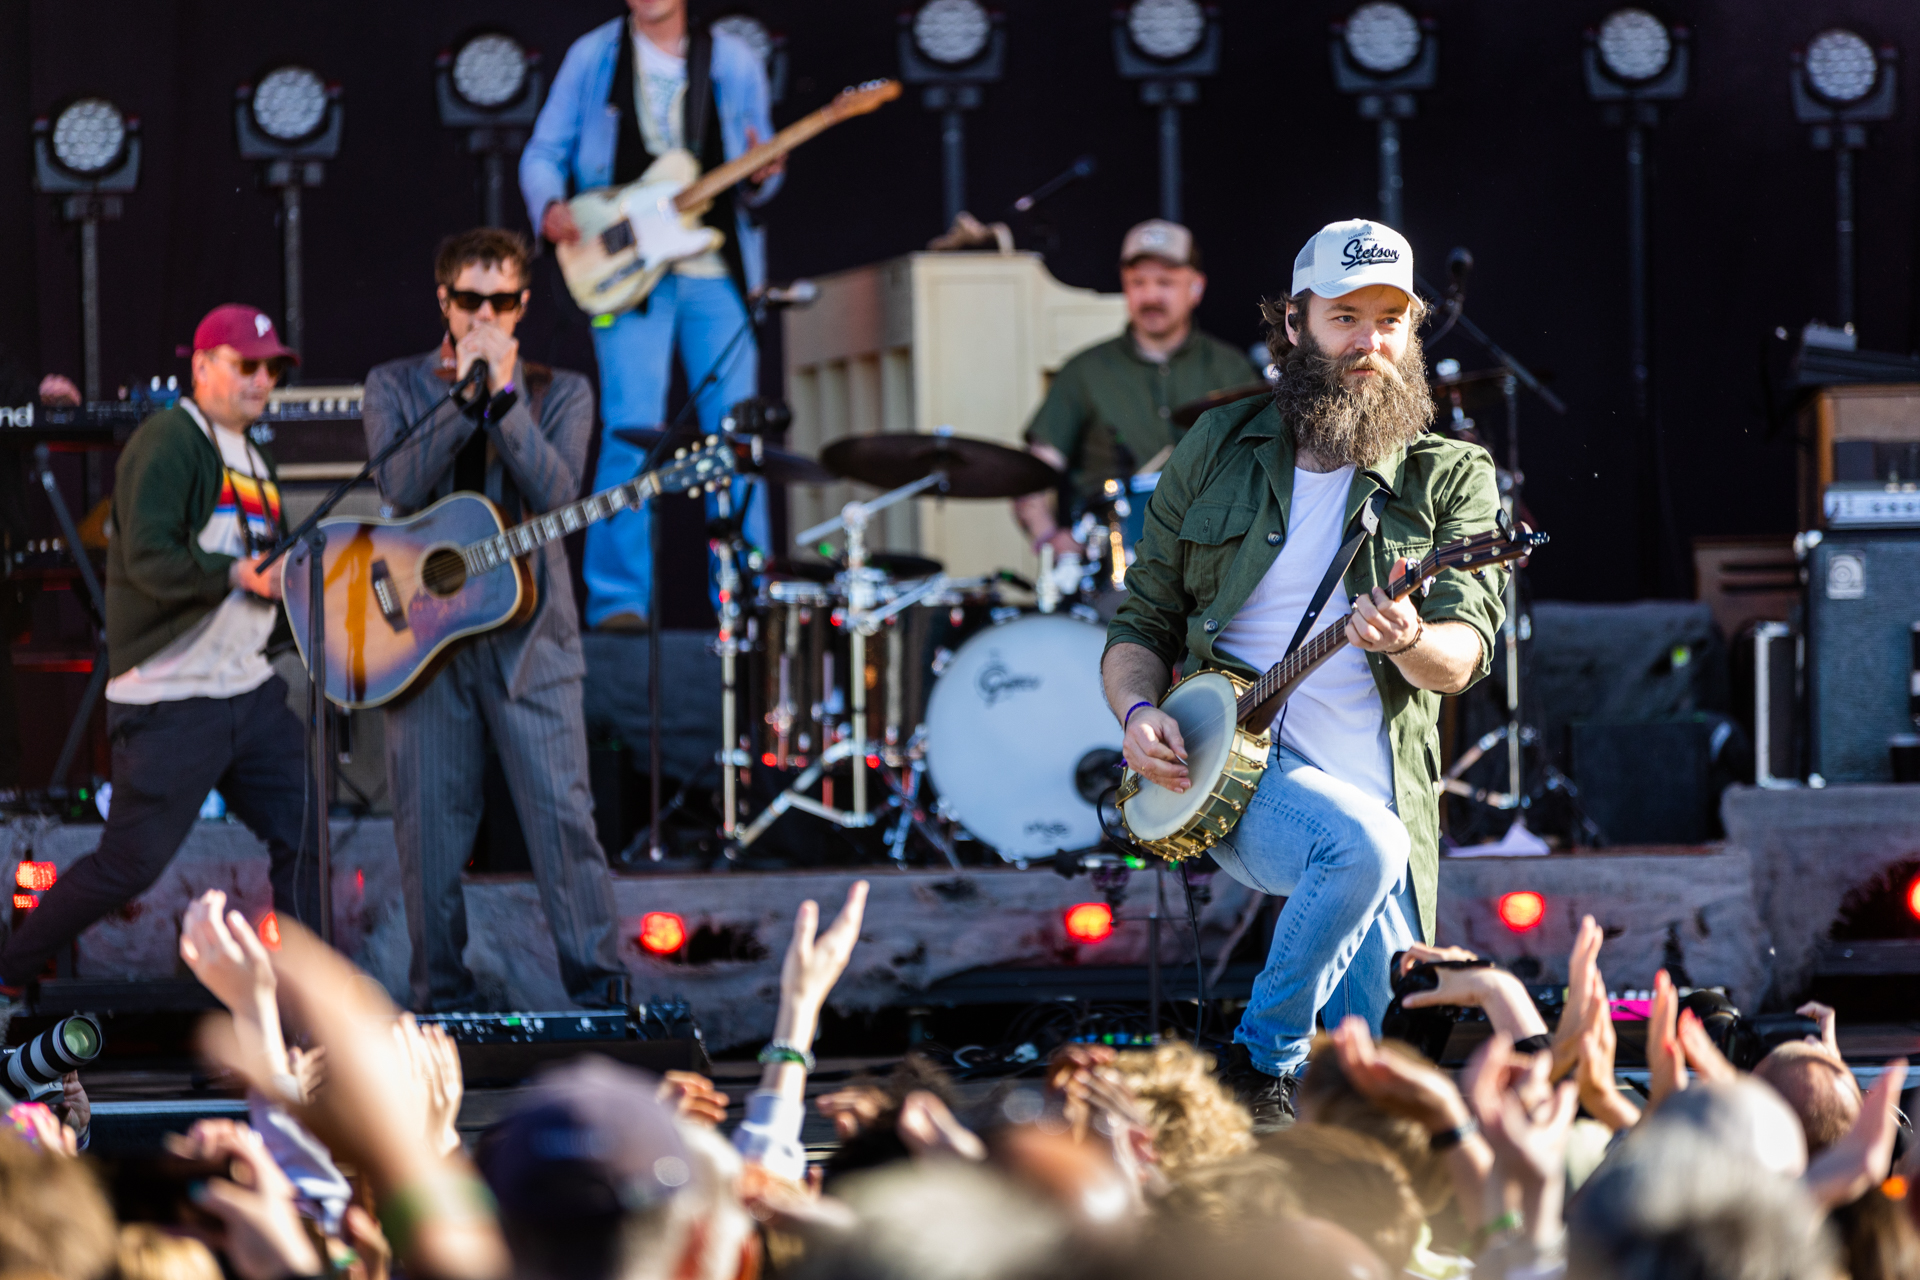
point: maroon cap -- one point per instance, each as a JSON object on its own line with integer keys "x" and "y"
{"x": 246, "y": 329}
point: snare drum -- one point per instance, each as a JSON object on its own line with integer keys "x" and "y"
{"x": 1017, "y": 726}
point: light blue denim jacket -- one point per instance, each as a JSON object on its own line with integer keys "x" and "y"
{"x": 573, "y": 141}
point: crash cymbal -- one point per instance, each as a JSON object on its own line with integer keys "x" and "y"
{"x": 975, "y": 468}
{"x": 781, "y": 466}
{"x": 1189, "y": 413}
{"x": 899, "y": 565}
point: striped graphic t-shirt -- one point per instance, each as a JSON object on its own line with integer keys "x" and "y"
{"x": 224, "y": 656}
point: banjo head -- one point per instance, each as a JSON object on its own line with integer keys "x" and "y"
{"x": 1204, "y": 707}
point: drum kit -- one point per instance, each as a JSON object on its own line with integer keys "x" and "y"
{"x": 867, "y": 677}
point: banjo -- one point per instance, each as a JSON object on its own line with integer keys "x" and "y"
{"x": 1226, "y": 721}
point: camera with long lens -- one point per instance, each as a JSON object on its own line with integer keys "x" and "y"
{"x": 1745, "y": 1040}
{"x": 34, "y": 1069}
{"x": 1425, "y": 1029}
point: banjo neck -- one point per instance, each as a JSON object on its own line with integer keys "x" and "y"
{"x": 1262, "y": 700}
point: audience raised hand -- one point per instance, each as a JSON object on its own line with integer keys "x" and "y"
{"x": 264, "y": 1239}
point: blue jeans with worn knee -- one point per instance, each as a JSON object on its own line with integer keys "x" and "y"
{"x": 701, "y": 318}
{"x": 1339, "y": 858}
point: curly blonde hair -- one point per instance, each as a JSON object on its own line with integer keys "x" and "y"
{"x": 1193, "y": 1118}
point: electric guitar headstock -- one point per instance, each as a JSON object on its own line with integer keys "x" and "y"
{"x": 1474, "y": 554}
{"x": 702, "y": 469}
{"x": 860, "y": 99}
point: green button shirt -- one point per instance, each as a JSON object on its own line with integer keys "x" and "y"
{"x": 1110, "y": 396}
{"x": 1216, "y": 523}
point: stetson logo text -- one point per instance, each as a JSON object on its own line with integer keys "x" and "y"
{"x": 1359, "y": 252}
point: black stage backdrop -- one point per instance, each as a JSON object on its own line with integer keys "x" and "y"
{"x": 1507, "y": 157}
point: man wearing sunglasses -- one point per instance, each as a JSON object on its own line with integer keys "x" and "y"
{"x": 519, "y": 686}
{"x": 192, "y": 705}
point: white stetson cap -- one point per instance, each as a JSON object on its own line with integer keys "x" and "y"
{"x": 1344, "y": 256}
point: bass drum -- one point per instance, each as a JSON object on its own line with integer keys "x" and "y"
{"x": 1018, "y": 732}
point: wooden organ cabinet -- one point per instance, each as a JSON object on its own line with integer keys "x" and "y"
{"x": 961, "y": 340}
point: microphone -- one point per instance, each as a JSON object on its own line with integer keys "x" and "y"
{"x": 475, "y": 383}
{"x": 1081, "y": 168}
{"x": 801, "y": 293}
{"x": 1459, "y": 266}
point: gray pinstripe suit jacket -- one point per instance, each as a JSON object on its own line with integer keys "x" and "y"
{"x": 546, "y": 459}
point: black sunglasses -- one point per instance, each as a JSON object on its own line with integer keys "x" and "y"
{"x": 274, "y": 365}
{"x": 468, "y": 300}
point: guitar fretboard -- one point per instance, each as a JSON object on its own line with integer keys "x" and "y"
{"x": 1309, "y": 655}
{"x": 491, "y": 553}
{"x": 737, "y": 169}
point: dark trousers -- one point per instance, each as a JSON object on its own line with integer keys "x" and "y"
{"x": 436, "y": 762}
{"x": 166, "y": 757}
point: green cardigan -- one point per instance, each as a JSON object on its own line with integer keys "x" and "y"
{"x": 160, "y": 583}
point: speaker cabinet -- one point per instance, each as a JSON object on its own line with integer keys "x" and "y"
{"x": 1863, "y": 597}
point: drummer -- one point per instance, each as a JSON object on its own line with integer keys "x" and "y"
{"x": 1109, "y": 413}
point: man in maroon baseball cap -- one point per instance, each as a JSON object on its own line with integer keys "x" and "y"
{"x": 193, "y": 704}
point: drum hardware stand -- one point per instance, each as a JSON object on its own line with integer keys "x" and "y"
{"x": 731, "y": 758}
{"x": 862, "y": 621}
{"x": 96, "y": 603}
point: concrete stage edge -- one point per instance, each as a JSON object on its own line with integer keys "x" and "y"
{"x": 1751, "y": 913}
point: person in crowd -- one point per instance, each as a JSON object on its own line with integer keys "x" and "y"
{"x": 1109, "y": 411}
{"x": 1817, "y": 1085}
{"x": 1190, "y": 1116}
{"x": 192, "y": 703}
{"x": 1349, "y": 1179}
{"x": 518, "y": 687}
{"x": 1247, "y": 519}
{"x": 628, "y": 92}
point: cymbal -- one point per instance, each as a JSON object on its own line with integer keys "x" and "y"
{"x": 975, "y": 468}
{"x": 781, "y": 466}
{"x": 901, "y": 565}
{"x": 1189, "y": 413}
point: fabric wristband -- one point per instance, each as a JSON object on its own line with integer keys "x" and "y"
{"x": 457, "y": 1197}
{"x": 1128, "y": 718}
{"x": 779, "y": 1051}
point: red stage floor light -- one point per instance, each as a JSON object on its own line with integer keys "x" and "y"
{"x": 1913, "y": 897}
{"x": 662, "y": 933}
{"x": 36, "y": 876}
{"x": 1089, "y": 922}
{"x": 25, "y": 901}
{"x": 270, "y": 931}
{"x": 1522, "y": 910}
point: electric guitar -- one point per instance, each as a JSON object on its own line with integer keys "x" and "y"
{"x": 631, "y": 236}
{"x": 399, "y": 592}
{"x": 1225, "y": 721}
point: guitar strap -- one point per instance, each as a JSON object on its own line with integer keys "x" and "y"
{"x": 1366, "y": 522}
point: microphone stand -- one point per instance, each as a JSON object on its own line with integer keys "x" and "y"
{"x": 756, "y": 313}
{"x": 314, "y": 538}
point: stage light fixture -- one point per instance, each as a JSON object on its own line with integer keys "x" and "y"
{"x": 270, "y": 931}
{"x": 952, "y": 32}
{"x": 89, "y": 136}
{"x": 1634, "y": 45}
{"x": 951, "y": 48}
{"x": 1913, "y": 897}
{"x": 25, "y": 902}
{"x": 662, "y": 933}
{"x": 1166, "y": 29}
{"x": 290, "y": 120}
{"x": 1089, "y": 922}
{"x": 36, "y": 876}
{"x": 1521, "y": 910}
{"x": 1841, "y": 66}
{"x": 290, "y": 104}
{"x": 749, "y": 30}
{"x": 1841, "y": 84}
{"x": 88, "y": 154}
{"x": 490, "y": 70}
{"x": 1383, "y": 37}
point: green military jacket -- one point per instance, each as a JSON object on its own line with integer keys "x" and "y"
{"x": 1109, "y": 396}
{"x": 1217, "y": 521}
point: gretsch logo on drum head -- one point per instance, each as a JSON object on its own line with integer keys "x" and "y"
{"x": 1051, "y": 830}
{"x": 995, "y": 680}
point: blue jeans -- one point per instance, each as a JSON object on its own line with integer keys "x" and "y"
{"x": 1339, "y": 857}
{"x": 700, "y": 317}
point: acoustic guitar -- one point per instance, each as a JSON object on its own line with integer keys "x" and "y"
{"x": 399, "y": 592}
{"x": 631, "y": 236}
{"x": 1226, "y": 721}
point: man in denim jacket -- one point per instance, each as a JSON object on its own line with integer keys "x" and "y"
{"x": 627, "y": 92}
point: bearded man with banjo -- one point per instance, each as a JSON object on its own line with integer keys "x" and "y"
{"x": 1245, "y": 538}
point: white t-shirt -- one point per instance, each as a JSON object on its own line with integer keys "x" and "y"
{"x": 1334, "y": 718}
{"x": 224, "y": 655}
{"x": 658, "y": 92}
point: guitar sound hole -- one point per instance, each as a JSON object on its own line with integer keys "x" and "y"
{"x": 443, "y": 572}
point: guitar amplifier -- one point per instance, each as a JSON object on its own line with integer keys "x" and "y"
{"x": 1863, "y": 598}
